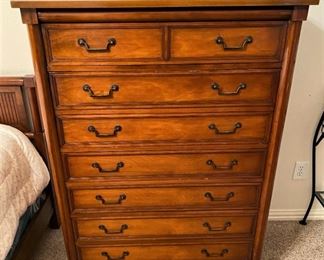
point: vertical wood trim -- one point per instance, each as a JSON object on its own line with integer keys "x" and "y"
{"x": 300, "y": 13}
{"x": 293, "y": 34}
{"x": 166, "y": 43}
{"x": 48, "y": 120}
{"x": 29, "y": 16}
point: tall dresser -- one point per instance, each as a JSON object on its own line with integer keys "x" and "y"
{"x": 163, "y": 121}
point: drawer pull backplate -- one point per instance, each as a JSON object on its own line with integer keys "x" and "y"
{"x": 110, "y": 93}
{"x": 108, "y": 232}
{"x": 101, "y": 170}
{"x": 110, "y": 43}
{"x": 216, "y": 86}
{"x": 222, "y": 167}
{"x": 221, "y": 254}
{"x": 122, "y": 257}
{"x": 226, "y": 132}
{"x": 107, "y": 202}
{"x": 220, "y": 40}
{"x": 215, "y": 229}
{"x": 117, "y": 129}
{"x": 226, "y": 198}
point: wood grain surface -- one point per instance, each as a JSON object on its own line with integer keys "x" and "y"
{"x": 152, "y": 3}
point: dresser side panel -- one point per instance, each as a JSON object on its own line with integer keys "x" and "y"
{"x": 47, "y": 114}
{"x": 294, "y": 29}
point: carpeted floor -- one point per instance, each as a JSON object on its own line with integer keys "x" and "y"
{"x": 285, "y": 240}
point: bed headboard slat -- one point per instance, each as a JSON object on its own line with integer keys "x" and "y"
{"x": 18, "y": 108}
{"x": 12, "y": 106}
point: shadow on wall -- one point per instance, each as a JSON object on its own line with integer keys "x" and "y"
{"x": 305, "y": 107}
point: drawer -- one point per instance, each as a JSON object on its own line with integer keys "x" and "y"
{"x": 215, "y": 88}
{"x": 223, "y": 164}
{"x": 229, "y": 128}
{"x": 162, "y": 197}
{"x": 237, "y": 251}
{"x": 88, "y": 43}
{"x": 225, "y": 42}
{"x": 166, "y": 227}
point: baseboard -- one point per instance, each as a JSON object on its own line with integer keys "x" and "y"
{"x": 295, "y": 214}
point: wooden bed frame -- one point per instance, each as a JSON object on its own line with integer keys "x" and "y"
{"x": 18, "y": 108}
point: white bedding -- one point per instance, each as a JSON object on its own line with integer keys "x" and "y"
{"x": 23, "y": 176}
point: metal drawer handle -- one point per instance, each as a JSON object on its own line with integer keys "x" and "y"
{"x": 122, "y": 257}
{"x": 101, "y": 170}
{"x": 117, "y": 129}
{"x": 110, "y": 94}
{"x": 226, "y": 132}
{"x": 108, "y": 232}
{"x": 217, "y": 229}
{"x": 107, "y": 202}
{"x": 110, "y": 43}
{"x": 226, "y": 198}
{"x": 222, "y": 167}
{"x": 221, "y": 254}
{"x": 216, "y": 86}
{"x": 247, "y": 40}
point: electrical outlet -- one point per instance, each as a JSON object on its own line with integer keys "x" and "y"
{"x": 301, "y": 170}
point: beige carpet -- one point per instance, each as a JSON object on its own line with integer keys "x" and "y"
{"x": 285, "y": 240}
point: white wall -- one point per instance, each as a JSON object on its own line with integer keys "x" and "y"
{"x": 290, "y": 197}
{"x": 15, "y": 56}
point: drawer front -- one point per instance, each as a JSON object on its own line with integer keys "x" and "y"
{"x": 170, "y": 165}
{"x": 252, "y": 128}
{"x": 240, "y": 251}
{"x": 141, "y": 198}
{"x": 256, "y": 88}
{"x": 166, "y": 227}
{"x": 229, "y": 41}
{"x": 90, "y": 43}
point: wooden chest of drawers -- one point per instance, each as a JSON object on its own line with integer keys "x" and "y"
{"x": 163, "y": 121}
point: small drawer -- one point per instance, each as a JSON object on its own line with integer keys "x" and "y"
{"x": 230, "y": 251}
{"x": 225, "y": 164}
{"x": 87, "y": 44}
{"x": 226, "y": 42}
{"x": 216, "y": 88}
{"x": 161, "y": 197}
{"x": 166, "y": 227}
{"x": 231, "y": 128}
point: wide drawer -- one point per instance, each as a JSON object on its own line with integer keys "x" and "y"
{"x": 101, "y": 42}
{"x": 225, "y": 164}
{"x": 225, "y": 42}
{"x": 246, "y": 196}
{"x": 159, "y": 227}
{"x": 215, "y": 88}
{"x": 226, "y": 250}
{"x": 227, "y": 128}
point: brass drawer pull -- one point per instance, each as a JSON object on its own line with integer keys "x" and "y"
{"x": 220, "y": 40}
{"x": 222, "y": 167}
{"x": 107, "y": 202}
{"x": 221, "y": 254}
{"x": 108, "y": 232}
{"x": 227, "y": 132}
{"x": 117, "y": 129}
{"x": 110, "y": 43}
{"x": 101, "y": 170}
{"x": 220, "y": 92}
{"x": 122, "y": 257}
{"x": 226, "y": 198}
{"x": 110, "y": 94}
{"x": 217, "y": 229}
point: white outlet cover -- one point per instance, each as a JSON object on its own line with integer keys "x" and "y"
{"x": 302, "y": 170}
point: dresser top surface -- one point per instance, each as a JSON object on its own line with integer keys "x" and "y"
{"x": 153, "y": 3}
